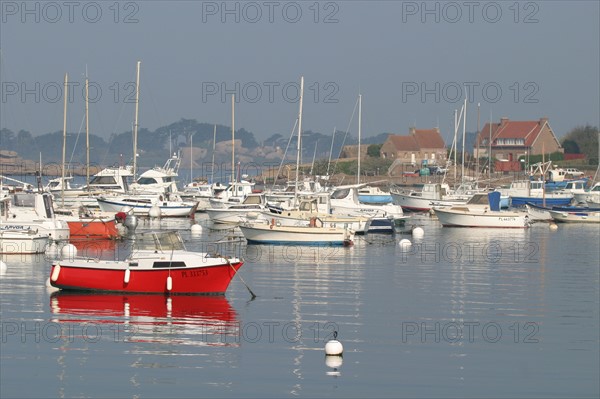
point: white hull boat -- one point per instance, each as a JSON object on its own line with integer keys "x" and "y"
{"x": 272, "y": 233}
{"x": 22, "y": 242}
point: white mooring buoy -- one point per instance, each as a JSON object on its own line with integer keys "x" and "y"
{"x": 418, "y": 232}
{"x": 69, "y": 251}
{"x": 553, "y": 226}
{"x": 333, "y": 347}
{"x": 196, "y": 229}
{"x": 404, "y": 243}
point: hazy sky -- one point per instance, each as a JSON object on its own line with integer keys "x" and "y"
{"x": 523, "y": 60}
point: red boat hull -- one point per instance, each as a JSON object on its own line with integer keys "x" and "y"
{"x": 186, "y": 281}
{"x": 97, "y": 229}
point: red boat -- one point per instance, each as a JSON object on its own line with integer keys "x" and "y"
{"x": 158, "y": 264}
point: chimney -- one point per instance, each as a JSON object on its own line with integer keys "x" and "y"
{"x": 412, "y": 130}
{"x": 503, "y": 120}
{"x": 543, "y": 120}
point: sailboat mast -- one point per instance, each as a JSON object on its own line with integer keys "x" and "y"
{"x": 477, "y": 145}
{"x": 359, "y": 135}
{"x": 232, "y": 138}
{"x": 490, "y": 151}
{"x": 212, "y": 166}
{"x": 299, "y": 146}
{"x": 462, "y": 173}
{"x": 331, "y": 150}
{"x": 191, "y": 157}
{"x": 64, "y": 149}
{"x": 87, "y": 130}
{"x": 455, "y": 141}
{"x": 135, "y": 122}
{"x": 314, "y": 157}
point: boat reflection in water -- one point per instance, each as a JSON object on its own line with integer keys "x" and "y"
{"x": 103, "y": 249}
{"x": 181, "y": 319}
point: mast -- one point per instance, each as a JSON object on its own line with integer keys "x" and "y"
{"x": 359, "y": 134}
{"x": 232, "y": 138}
{"x": 455, "y": 145}
{"x": 135, "y": 122}
{"x": 462, "y": 173}
{"x": 299, "y": 140}
{"x": 314, "y": 156}
{"x": 331, "y": 151}
{"x": 477, "y": 144}
{"x": 490, "y": 151}
{"x": 64, "y": 154}
{"x": 87, "y": 130}
{"x": 212, "y": 167}
{"x": 191, "y": 157}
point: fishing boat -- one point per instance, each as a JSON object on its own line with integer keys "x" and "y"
{"x": 271, "y": 232}
{"x": 158, "y": 264}
{"x": 482, "y": 210}
{"x": 522, "y": 192}
{"x": 22, "y": 242}
{"x": 32, "y": 211}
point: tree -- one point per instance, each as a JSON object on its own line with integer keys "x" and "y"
{"x": 570, "y": 147}
{"x": 374, "y": 150}
{"x": 586, "y": 138}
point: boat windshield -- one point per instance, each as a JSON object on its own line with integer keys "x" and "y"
{"x": 159, "y": 241}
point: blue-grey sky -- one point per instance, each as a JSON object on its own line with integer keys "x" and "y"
{"x": 523, "y": 60}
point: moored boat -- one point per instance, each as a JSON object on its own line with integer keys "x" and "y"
{"x": 22, "y": 242}
{"x": 480, "y": 211}
{"x": 313, "y": 234}
{"x": 159, "y": 264}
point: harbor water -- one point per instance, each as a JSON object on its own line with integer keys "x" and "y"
{"x": 457, "y": 313}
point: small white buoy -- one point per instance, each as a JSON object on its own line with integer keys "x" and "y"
{"x": 405, "y": 243}
{"x": 55, "y": 272}
{"x": 69, "y": 251}
{"x": 169, "y": 283}
{"x": 196, "y": 229}
{"x": 418, "y": 232}
{"x": 2, "y": 267}
{"x": 127, "y": 276}
{"x": 333, "y": 347}
{"x": 154, "y": 211}
{"x": 553, "y": 226}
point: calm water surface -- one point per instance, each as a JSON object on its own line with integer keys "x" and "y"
{"x": 460, "y": 313}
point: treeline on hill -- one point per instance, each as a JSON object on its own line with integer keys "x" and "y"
{"x": 154, "y": 146}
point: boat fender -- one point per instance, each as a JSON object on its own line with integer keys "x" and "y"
{"x": 127, "y": 276}
{"x": 55, "y": 272}
{"x": 169, "y": 283}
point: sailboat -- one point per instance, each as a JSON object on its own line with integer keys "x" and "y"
{"x": 272, "y": 232}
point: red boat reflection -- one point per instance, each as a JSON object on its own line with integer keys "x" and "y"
{"x": 184, "y": 319}
{"x": 92, "y": 248}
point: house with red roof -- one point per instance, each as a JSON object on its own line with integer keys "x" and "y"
{"x": 420, "y": 145}
{"x": 508, "y": 140}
